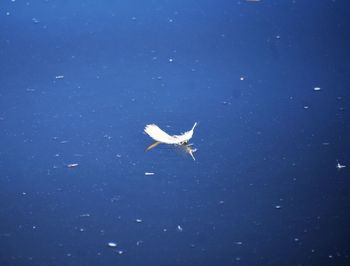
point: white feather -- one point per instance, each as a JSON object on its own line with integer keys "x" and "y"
{"x": 159, "y": 135}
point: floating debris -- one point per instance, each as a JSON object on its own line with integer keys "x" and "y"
{"x": 238, "y": 242}
{"x": 139, "y": 220}
{"x": 317, "y": 89}
{"x": 278, "y": 206}
{"x": 71, "y": 165}
{"x": 149, "y": 173}
{"x": 112, "y": 244}
{"x": 120, "y": 252}
{"x": 226, "y": 103}
{"x": 179, "y": 228}
{"x": 35, "y": 20}
{"x": 59, "y": 77}
{"x": 85, "y": 215}
{"x": 340, "y": 166}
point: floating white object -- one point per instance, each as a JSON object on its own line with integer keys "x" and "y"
{"x": 139, "y": 220}
{"x": 71, "y": 165}
{"x": 160, "y": 137}
{"x": 340, "y": 166}
{"x": 317, "y": 89}
{"x": 179, "y": 228}
{"x": 149, "y": 173}
{"x": 112, "y": 244}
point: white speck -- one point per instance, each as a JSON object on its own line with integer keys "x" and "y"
{"x": 118, "y": 156}
{"x": 120, "y": 252}
{"x": 278, "y": 207}
{"x": 139, "y": 220}
{"x": 71, "y": 165}
{"x": 278, "y": 36}
{"x": 330, "y": 256}
{"x": 238, "y": 242}
{"x": 179, "y": 228}
{"x": 171, "y": 60}
{"x": 7, "y": 13}
{"x": 149, "y": 173}
{"x": 112, "y": 244}
{"x": 35, "y": 20}
{"x": 238, "y": 258}
{"x": 221, "y": 202}
{"x": 340, "y": 166}
{"x": 241, "y": 78}
{"x": 170, "y": 20}
{"x": 317, "y": 89}
{"x": 296, "y": 239}
{"x": 85, "y": 215}
{"x": 306, "y": 107}
{"x": 139, "y": 242}
{"x": 59, "y": 77}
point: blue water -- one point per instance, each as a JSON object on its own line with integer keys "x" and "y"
{"x": 81, "y": 79}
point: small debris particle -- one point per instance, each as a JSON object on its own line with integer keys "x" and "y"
{"x": 112, "y": 244}
{"x": 149, "y": 173}
{"x": 340, "y": 166}
{"x": 59, "y": 77}
{"x": 278, "y": 206}
{"x": 71, "y": 165}
{"x": 139, "y": 220}
{"x": 317, "y": 89}
{"x": 35, "y": 20}
{"x": 179, "y": 228}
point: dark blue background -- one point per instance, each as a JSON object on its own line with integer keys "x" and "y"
{"x": 264, "y": 189}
